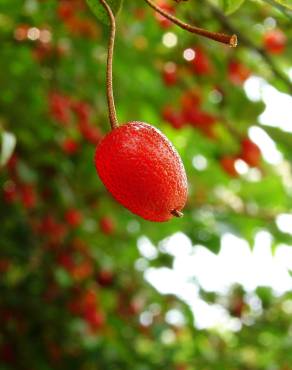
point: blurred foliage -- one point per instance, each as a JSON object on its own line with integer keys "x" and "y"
{"x": 72, "y": 293}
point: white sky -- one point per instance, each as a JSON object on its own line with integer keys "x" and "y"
{"x": 236, "y": 263}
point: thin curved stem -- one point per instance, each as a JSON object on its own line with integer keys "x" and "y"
{"x": 220, "y": 37}
{"x": 109, "y": 70}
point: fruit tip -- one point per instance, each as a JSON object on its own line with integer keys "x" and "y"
{"x": 233, "y": 41}
{"x": 177, "y": 213}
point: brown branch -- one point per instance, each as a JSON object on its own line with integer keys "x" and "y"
{"x": 220, "y": 37}
{"x": 246, "y": 42}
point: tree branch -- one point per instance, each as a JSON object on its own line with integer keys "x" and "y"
{"x": 246, "y": 42}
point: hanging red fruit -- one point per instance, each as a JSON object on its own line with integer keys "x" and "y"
{"x": 143, "y": 171}
{"x": 137, "y": 163}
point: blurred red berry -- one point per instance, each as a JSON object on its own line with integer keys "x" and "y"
{"x": 90, "y": 133}
{"x": 49, "y": 226}
{"x": 275, "y": 41}
{"x": 94, "y": 318}
{"x": 82, "y": 110}
{"x": 201, "y": 120}
{"x": 228, "y": 165}
{"x": 21, "y": 32}
{"x": 70, "y": 146}
{"x": 12, "y": 163}
{"x": 75, "y": 307}
{"x": 28, "y": 196}
{"x": 181, "y": 367}
{"x": 169, "y": 74}
{"x": 190, "y": 99}
{"x": 42, "y": 51}
{"x": 66, "y": 261}
{"x": 201, "y": 64}
{"x": 107, "y": 225}
{"x": 164, "y": 22}
{"x": 10, "y": 192}
{"x": 176, "y": 119}
{"x": 238, "y": 307}
{"x": 5, "y": 264}
{"x": 73, "y": 217}
{"x": 59, "y": 106}
{"x": 238, "y": 73}
{"x": 250, "y": 153}
{"x": 65, "y": 10}
{"x": 139, "y": 13}
{"x": 7, "y": 353}
{"x": 83, "y": 270}
{"x": 89, "y": 298}
{"x": 105, "y": 278}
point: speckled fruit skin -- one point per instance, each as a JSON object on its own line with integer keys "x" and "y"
{"x": 142, "y": 170}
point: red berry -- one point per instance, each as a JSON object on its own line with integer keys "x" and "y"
{"x": 70, "y": 146}
{"x": 198, "y": 118}
{"x": 5, "y": 265}
{"x": 94, "y": 318}
{"x": 90, "y": 298}
{"x": 181, "y": 367}
{"x": 75, "y": 306}
{"x": 7, "y": 355}
{"x": 90, "y": 133}
{"x": 164, "y": 22}
{"x": 143, "y": 171}
{"x": 237, "y": 307}
{"x": 21, "y": 32}
{"x": 275, "y": 41}
{"x": 107, "y": 225}
{"x": 73, "y": 217}
{"x": 28, "y": 196}
{"x": 12, "y": 163}
{"x": 228, "y": 165}
{"x": 169, "y": 74}
{"x": 82, "y": 111}
{"x": 82, "y": 270}
{"x": 42, "y": 51}
{"x": 201, "y": 64}
{"x": 250, "y": 153}
{"x": 49, "y": 226}
{"x": 139, "y": 13}
{"x": 60, "y": 108}
{"x": 176, "y": 119}
{"x": 65, "y": 10}
{"x": 190, "y": 99}
{"x": 66, "y": 261}
{"x": 238, "y": 73}
{"x": 10, "y": 192}
{"x": 203, "y": 121}
{"x": 105, "y": 278}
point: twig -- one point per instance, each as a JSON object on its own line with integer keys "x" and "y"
{"x": 246, "y": 42}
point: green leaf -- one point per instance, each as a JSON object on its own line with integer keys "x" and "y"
{"x": 283, "y": 139}
{"x": 230, "y": 6}
{"x": 99, "y": 11}
{"x": 286, "y": 3}
{"x": 280, "y": 7}
{"x": 8, "y": 145}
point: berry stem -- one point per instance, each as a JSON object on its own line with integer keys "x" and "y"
{"x": 109, "y": 70}
{"x": 220, "y": 37}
